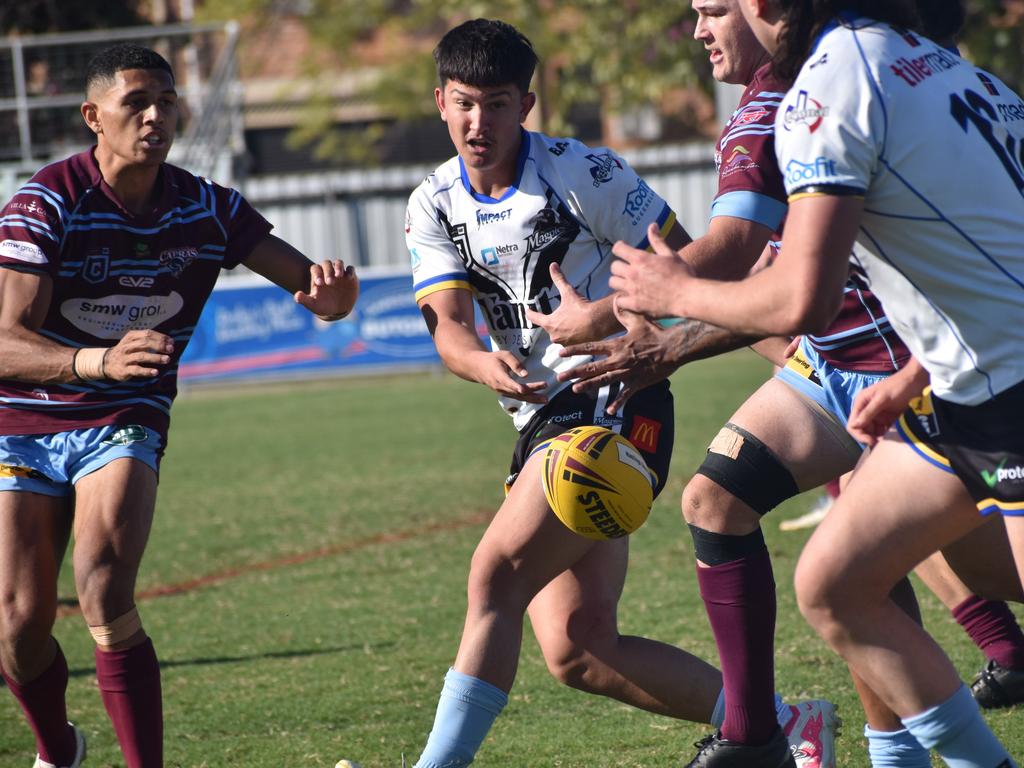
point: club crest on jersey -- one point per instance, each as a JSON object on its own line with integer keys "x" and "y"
{"x": 548, "y": 228}
{"x": 177, "y": 260}
{"x": 96, "y": 266}
{"x": 806, "y": 111}
{"x": 602, "y": 167}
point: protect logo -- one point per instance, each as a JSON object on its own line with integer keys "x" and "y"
{"x": 1001, "y": 474}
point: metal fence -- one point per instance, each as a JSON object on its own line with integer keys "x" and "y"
{"x": 41, "y": 90}
{"x": 358, "y": 215}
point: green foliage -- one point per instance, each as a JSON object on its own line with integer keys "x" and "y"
{"x": 993, "y": 38}
{"x": 619, "y": 55}
{"x": 41, "y": 16}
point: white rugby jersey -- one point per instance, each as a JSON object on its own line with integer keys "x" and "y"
{"x": 935, "y": 147}
{"x": 570, "y": 203}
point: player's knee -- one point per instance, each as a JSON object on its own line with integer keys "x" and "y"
{"x": 739, "y": 478}
{"x": 25, "y": 622}
{"x": 822, "y": 598}
{"x": 496, "y": 582}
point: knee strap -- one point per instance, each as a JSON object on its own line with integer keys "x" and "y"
{"x": 746, "y": 468}
{"x": 718, "y": 548}
{"x": 118, "y": 630}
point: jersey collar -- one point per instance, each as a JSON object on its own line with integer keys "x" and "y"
{"x": 163, "y": 181}
{"x": 524, "y": 152}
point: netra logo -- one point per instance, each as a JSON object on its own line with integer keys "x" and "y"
{"x": 490, "y": 255}
{"x": 821, "y": 168}
{"x": 110, "y": 317}
{"x": 806, "y": 111}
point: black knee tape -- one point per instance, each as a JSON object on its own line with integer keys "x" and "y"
{"x": 746, "y": 468}
{"x": 719, "y": 548}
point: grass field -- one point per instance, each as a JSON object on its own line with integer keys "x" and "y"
{"x": 305, "y": 585}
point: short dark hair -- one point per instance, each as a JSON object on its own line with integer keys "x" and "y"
{"x": 108, "y": 62}
{"x": 803, "y": 21}
{"x": 941, "y": 20}
{"x": 485, "y": 53}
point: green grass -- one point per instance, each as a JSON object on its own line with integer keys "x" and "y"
{"x": 337, "y": 519}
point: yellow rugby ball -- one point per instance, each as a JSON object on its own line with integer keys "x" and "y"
{"x": 597, "y": 483}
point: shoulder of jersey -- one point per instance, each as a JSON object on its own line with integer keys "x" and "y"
{"x": 443, "y": 178}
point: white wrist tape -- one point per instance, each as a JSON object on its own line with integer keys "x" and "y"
{"x": 88, "y": 363}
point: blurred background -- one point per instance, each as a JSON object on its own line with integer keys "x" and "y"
{"x": 321, "y": 113}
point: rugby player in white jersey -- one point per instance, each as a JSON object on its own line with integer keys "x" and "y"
{"x": 523, "y": 224}
{"x": 939, "y": 248}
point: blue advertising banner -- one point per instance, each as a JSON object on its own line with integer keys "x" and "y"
{"x": 250, "y": 327}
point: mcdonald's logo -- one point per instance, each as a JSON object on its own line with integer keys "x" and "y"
{"x": 644, "y": 434}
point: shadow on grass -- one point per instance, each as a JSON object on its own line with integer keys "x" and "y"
{"x": 214, "y": 660}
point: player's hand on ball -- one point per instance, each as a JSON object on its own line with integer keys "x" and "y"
{"x": 504, "y": 373}
{"x": 648, "y": 283}
{"x": 333, "y": 290}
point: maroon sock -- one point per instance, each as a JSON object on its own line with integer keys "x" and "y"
{"x": 740, "y": 600}
{"x": 130, "y": 686}
{"x": 993, "y": 628}
{"x": 42, "y": 701}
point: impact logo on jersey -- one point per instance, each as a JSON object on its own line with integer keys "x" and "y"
{"x": 20, "y": 250}
{"x": 483, "y": 218}
{"x": 807, "y": 111}
{"x": 603, "y": 167}
{"x": 820, "y": 169}
{"x": 637, "y": 202}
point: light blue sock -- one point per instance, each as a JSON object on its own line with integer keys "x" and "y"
{"x": 956, "y": 730}
{"x": 895, "y": 749}
{"x": 465, "y": 713}
{"x": 718, "y": 714}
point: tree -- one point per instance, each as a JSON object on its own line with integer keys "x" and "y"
{"x": 994, "y": 38}
{"x": 615, "y": 54}
{"x": 38, "y": 16}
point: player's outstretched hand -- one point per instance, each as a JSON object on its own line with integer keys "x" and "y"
{"x": 502, "y": 372}
{"x": 648, "y": 283}
{"x": 877, "y": 407}
{"x": 333, "y": 290}
{"x": 573, "y": 320}
{"x": 137, "y": 355}
{"x": 639, "y": 358}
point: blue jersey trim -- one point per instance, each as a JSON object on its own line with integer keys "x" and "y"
{"x": 440, "y": 279}
{"x": 751, "y": 206}
{"x": 524, "y": 152}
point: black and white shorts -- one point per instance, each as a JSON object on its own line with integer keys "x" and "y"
{"x": 647, "y": 420}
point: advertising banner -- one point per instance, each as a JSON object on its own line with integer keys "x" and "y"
{"x": 253, "y": 328}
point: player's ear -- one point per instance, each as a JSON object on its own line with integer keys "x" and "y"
{"x": 439, "y": 100}
{"x": 91, "y": 115}
{"x": 527, "y": 104}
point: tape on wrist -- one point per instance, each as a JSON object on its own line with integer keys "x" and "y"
{"x": 89, "y": 363}
{"x": 332, "y": 318}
